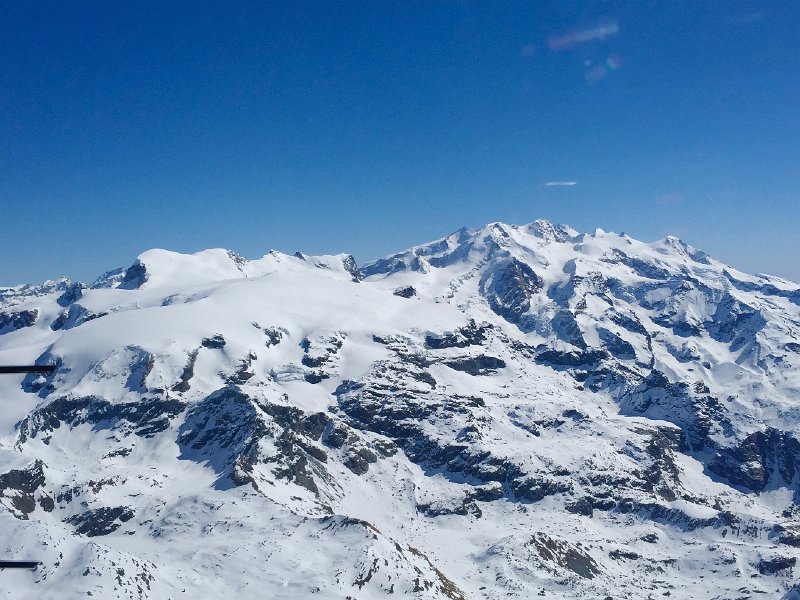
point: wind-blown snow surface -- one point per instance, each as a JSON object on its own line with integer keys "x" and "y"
{"x": 506, "y": 412}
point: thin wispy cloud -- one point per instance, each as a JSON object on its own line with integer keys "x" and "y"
{"x": 749, "y": 18}
{"x": 582, "y": 36}
{"x": 561, "y": 183}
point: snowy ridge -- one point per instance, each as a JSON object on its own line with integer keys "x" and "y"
{"x": 509, "y": 411}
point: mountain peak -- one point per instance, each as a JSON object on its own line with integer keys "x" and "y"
{"x": 550, "y": 231}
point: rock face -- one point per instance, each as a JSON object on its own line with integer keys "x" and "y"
{"x": 144, "y": 418}
{"x": 73, "y": 317}
{"x": 512, "y": 411}
{"x": 763, "y": 456}
{"x": 12, "y": 321}
{"x": 509, "y": 288}
{"x": 100, "y": 521}
{"x": 134, "y": 277}
{"x": 18, "y": 489}
{"x": 72, "y": 294}
{"x": 406, "y": 291}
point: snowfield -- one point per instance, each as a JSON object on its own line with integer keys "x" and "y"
{"x": 507, "y": 412}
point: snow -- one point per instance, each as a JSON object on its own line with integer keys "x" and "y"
{"x": 216, "y": 472}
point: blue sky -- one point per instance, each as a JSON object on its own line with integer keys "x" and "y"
{"x": 368, "y": 127}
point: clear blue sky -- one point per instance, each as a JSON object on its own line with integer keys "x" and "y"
{"x": 367, "y": 127}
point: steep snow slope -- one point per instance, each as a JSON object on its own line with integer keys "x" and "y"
{"x": 506, "y": 412}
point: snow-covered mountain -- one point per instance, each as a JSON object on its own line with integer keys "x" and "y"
{"x": 514, "y": 411}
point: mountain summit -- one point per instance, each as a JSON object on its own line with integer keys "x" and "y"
{"x": 510, "y": 411}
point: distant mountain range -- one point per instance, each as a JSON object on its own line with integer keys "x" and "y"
{"x": 507, "y": 412}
